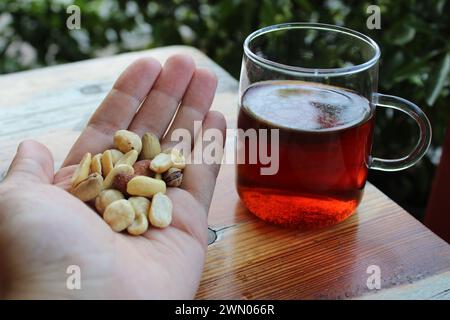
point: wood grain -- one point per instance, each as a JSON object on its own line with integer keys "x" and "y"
{"x": 250, "y": 259}
{"x": 254, "y": 260}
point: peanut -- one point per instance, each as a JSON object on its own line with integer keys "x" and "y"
{"x": 150, "y": 146}
{"x": 121, "y": 168}
{"x": 128, "y": 158}
{"x": 173, "y": 177}
{"x": 115, "y": 155}
{"x": 161, "y": 163}
{"x": 115, "y": 175}
{"x": 89, "y": 188}
{"x": 120, "y": 182}
{"x": 142, "y": 168}
{"x": 125, "y": 141}
{"x": 141, "y": 207}
{"x": 178, "y": 160}
{"x": 107, "y": 164}
{"x": 139, "y": 225}
{"x": 145, "y": 186}
{"x": 160, "y": 214}
{"x": 96, "y": 163}
{"x": 82, "y": 171}
{"x": 119, "y": 215}
{"x": 105, "y": 198}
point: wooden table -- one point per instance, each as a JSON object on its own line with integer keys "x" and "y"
{"x": 249, "y": 259}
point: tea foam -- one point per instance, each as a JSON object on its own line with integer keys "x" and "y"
{"x": 305, "y": 106}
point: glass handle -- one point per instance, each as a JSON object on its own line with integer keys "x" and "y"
{"x": 422, "y": 145}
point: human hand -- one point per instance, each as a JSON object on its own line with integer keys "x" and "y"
{"x": 44, "y": 229}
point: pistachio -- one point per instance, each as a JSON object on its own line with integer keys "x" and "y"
{"x": 89, "y": 188}
{"x": 96, "y": 163}
{"x": 173, "y": 177}
{"x": 82, "y": 170}
{"x": 150, "y": 146}
{"x": 107, "y": 164}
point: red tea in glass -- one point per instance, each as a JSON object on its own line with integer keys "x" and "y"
{"x": 325, "y": 136}
{"x": 316, "y": 85}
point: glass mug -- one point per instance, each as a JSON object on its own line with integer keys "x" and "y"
{"x": 317, "y": 85}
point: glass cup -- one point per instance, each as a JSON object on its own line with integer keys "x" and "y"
{"x": 307, "y": 102}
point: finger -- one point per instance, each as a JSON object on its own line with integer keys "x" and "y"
{"x": 159, "y": 107}
{"x": 200, "y": 177}
{"x": 33, "y": 162}
{"x": 63, "y": 178}
{"x": 195, "y": 105}
{"x": 117, "y": 109}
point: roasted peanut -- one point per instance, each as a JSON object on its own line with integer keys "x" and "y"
{"x": 150, "y": 146}
{"x": 178, "y": 160}
{"x": 142, "y": 168}
{"x": 115, "y": 155}
{"x": 141, "y": 205}
{"x": 105, "y": 198}
{"x": 89, "y": 188}
{"x": 120, "y": 169}
{"x": 139, "y": 225}
{"x": 125, "y": 141}
{"x": 160, "y": 214}
{"x": 107, "y": 164}
{"x": 82, "y": 170}
{"x": 119, "y": 215}
{"x": 96, "y": 163}
{"x": 128, "y": 158}
{"x": 161, "y": 163}
{"x": 120, "y": 182}
{"x": 173, "y": 177}
{"x": 145, "y": 186}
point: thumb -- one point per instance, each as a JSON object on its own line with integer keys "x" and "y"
{"x": 33, "y": 162}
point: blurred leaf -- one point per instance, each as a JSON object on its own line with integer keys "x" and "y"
{"x": 414, "y": 68}
{"x": 437, "y": 79}
{"x": 401, "y": 33}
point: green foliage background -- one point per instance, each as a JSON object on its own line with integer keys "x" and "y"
{"x": 414, "y": 38}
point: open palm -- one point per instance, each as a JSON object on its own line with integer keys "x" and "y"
{"x": 44, "y": 229}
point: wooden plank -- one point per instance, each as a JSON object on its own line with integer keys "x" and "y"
{"x": 254, "y": 260}
{"x": 250, "y": 259}
{"x": 432, "y": 288}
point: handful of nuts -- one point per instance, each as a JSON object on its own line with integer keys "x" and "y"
{"x": 130, "y": 193}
